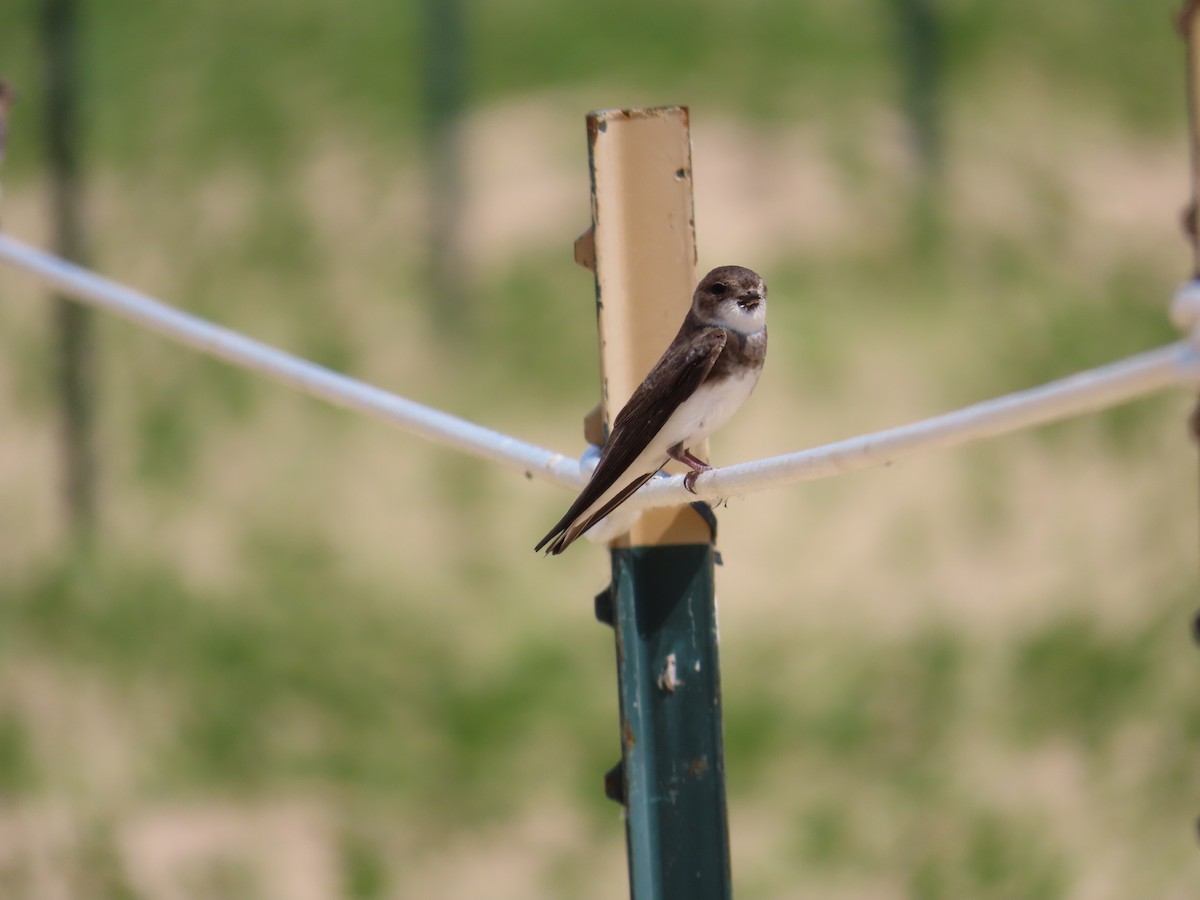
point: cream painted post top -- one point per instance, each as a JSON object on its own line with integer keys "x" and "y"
{"x": 644, "y": 252}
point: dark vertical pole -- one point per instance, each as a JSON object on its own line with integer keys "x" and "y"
{"x": 72, "y": 322}
{"x": 673, "y": 761}
{"x": 7, "y": 95}
{"x": 920, "y": 55}
{"x": 445, "y": 90}
{"x": 919, "y": 46}
{"x": 1189, "y": 27}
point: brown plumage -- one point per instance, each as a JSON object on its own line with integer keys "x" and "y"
{"x": 705, "y": 374}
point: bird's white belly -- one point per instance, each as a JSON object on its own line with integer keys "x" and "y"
{"x": 710, "y": 407}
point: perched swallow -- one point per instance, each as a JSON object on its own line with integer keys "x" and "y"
{"x": 704, "y": 376}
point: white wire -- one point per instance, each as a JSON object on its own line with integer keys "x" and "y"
{"x": 1171, "y": 366}
{"x": 307, "y": 377}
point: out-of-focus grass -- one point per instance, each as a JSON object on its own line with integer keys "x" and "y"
{"x": 300, "y": 678}
{"x": 248, "y": 81}
{"x": 863, "y": 746}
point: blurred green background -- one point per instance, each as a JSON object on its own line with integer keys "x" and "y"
{"x": 312, "y": 657}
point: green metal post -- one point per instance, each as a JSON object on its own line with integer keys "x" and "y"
{"x": 920, "y": 51}
{"x": 444, "y": 100}
{"x": 72, "y": 321}
{"x": 672, "y": 772}
{"x": 919, "y": 43}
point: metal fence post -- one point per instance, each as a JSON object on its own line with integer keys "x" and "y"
{"x": 76, "y": 367}
{"x": 1189, "y": 27}
{"x": 444, "y": 98}
{"x": 671, "y": 777}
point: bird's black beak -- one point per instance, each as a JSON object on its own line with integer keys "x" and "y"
{"x": 749, "y": 301}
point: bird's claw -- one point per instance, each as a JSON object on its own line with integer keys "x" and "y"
{"x": 689, "y": 481}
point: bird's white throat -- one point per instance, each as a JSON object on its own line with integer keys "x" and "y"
{"x": 743, "y": 321}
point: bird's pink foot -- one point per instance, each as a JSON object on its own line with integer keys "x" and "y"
{"x": 697, "y": 466}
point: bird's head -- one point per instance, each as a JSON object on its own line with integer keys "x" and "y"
{"x": 732, "y": 297}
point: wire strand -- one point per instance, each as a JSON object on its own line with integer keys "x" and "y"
{"x": 1176, "y": 365}
{"x": 1172, "y": 366}
{"x": 304, "y": 376}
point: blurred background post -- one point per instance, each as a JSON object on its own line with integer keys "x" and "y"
{"x": 920, "y": 57}
{"x": 74, "y": 362}
{"x": 444, "y": 82}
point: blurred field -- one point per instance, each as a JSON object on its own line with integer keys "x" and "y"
{"x": 315, "y": 658}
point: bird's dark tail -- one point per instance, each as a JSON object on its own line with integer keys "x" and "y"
{"x": 554, "y": 532}
{"x": 569, "y": 527}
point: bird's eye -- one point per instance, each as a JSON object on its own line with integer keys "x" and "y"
{"x": 719, "y": 289}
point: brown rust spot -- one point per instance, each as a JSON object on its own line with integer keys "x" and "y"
{"x": 595, "y": 125}
{"x": 697, "y": 767}
{"x": 627, "y": 736}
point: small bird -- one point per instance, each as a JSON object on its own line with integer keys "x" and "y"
{"x": 708, "y": 372}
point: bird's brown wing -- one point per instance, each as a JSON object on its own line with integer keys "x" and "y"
{"x": 673, "y": 379}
